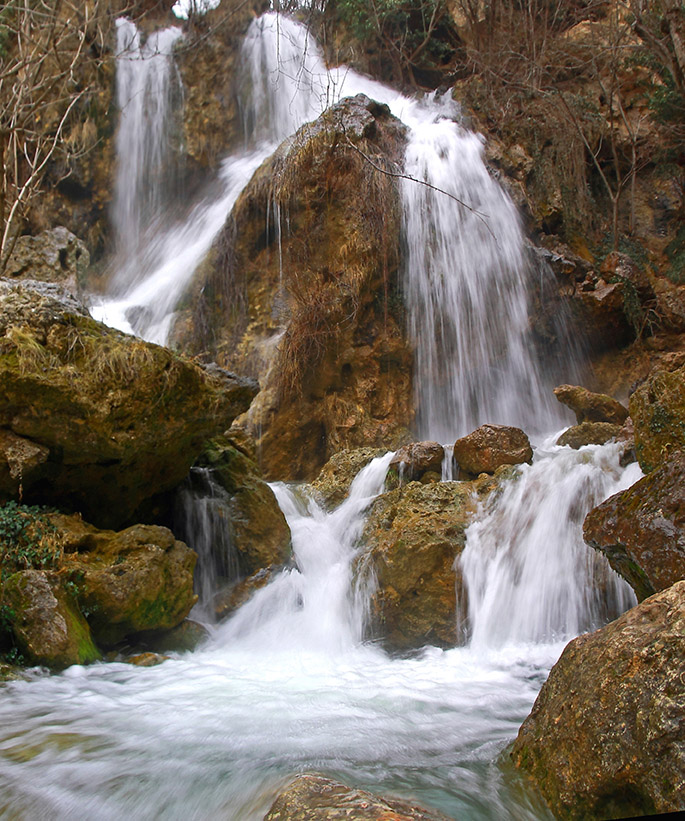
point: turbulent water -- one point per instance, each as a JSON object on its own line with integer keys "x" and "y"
{"x": 288, "y": 685}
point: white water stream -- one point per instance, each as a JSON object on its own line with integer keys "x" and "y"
{"x": 287, "y": 684}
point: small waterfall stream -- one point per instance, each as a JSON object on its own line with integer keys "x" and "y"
{"x": 287, "y": 685}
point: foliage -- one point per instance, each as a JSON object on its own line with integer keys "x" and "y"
{"x": 28, "y": 539}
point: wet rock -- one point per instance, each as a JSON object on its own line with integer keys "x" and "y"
{"x": 234, "y": 595}
{"x": 332, "y": 485}
{"x": 490, "y": 447}
{"x": 418, "y": 458}
{"x": 107, "y": 421}
{"x": 642, "y": 530}
{"x": 315, "y": 798}
{"x": 146, "y": 659}
{"x": 314, "y": 312}
{"x": 411, "y": 539}
{"x": 657, "y": 409}
{"x": 591, "y": 407}
{"x": 600, "y": 310}
{"x": 47, "y": 625}
{"x": 56, "y": 255}
{"x": 257, "y": 526}
{"x": 589, "y": 433}
{"x": 186, "y": 636}
{"x": 605, "y": 736}
{"x": 137, "y": 580}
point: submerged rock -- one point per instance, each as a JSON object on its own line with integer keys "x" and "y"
{"x": 657, "y": 408}
{"x": 605, "y": 736}
{"x": 95, "y": 420}
{"x": 491, "y": 446}
{"x": 332, "y": 485}
{"x": 591, "y": 407}
{"x": 642, "y": 530}
{"x": 315, "y": 798}
{"x": 589, "y": 433}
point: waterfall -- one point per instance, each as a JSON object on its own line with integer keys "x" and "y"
{"x": 201, "y": 521}
{"x": 530, "y": 576}
{"x": 315, "y": 605}
{"x": 144, "y": 93}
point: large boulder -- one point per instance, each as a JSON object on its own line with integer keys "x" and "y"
{"x": 591, "y": 407}
{"x": 657, "y": 408}
{"x": 311, "y": 305}
{"x": 605, "y": 736}
{"x": 642, "y": 530}
{"x": 491, "y": 446}
{"x": 315, "y": 798}
{"x": 48, "y": 627}
{"x": 96, "y": 420}
{"x": 55, "y": 255}
{"x": 133, "y": 581}
{"x": 418, "y": 458}
{"x": 411, "y": 539}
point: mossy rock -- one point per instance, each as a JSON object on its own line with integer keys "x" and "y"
{"x": 112, "y": 420}
{"x": 332, "y": 485}
{"x": 48, "y": 627}
{"x": 657, "y": 408}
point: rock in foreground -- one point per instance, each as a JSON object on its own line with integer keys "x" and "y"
{"x": 491, "y": 446}
{"x": 315, "y": 798}
{"x": 605, "y": 737}
{"x": 642, "y": 530}
{"x": 589, "y": 433}
{"x": 92, "y": 419}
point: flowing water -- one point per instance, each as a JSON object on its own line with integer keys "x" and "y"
{"x": 287, "y": 684}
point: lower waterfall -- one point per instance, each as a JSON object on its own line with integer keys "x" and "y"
{"x": 288, "y": 686}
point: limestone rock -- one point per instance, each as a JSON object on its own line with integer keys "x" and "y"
{"x": 601, "y": 311}
{"x": 55, "y": 255}
{"x": 642, "y": 530}
{"x": 621, "y": 267}
{"x": 670, "y": 305}
{"x": 591, "y": 407}
{"x": 257, "y": 526}
{"x": 314, "y": 312}
{"x": 657, "y": 408}
{"x": 491, "y": 446}
{"x": 411, "y": 538}
{"x": 315, "y": 798}
{"x": 111, "y": 420}
{"x": 139, "y": 579}
{"x": 332, "y": 485}
{"x": 47, "y": 624}
{"x": 419, "y": 458}
{"x": 605, "y": 736}
{"x": 589, "y": 433}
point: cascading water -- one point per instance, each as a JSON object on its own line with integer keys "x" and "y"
{"x": 287, "y": 685}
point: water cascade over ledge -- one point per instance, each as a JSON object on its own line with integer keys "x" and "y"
{"x": 288, "y": 684}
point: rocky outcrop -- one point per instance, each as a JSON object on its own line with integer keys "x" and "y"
{"x": 311, "y": 307}
{"x": 48, "y": 627}
{"x": 642, "y": 530}
{"x": 257, "y": 527}
{"x": 55, "y": 255}
{"x": 411, "y": 539}
{"x": 491, "y": 446}
{"x": 589, "y": 433}
{"x": 315, "y": 798}
{"x": 332, "y": 485}
{"x": 657, "y": 409}
{"x": 95, "y": 420}
{"x": 604, "y": 738}
{"x": 591, "y": 407}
